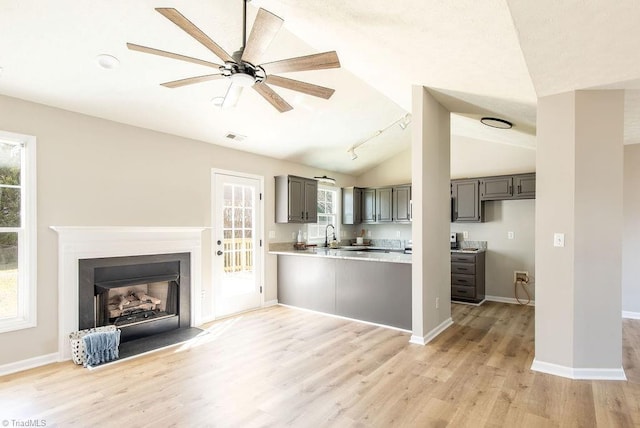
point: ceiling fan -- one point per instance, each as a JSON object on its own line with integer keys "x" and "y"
{"x": 244, "y": 67}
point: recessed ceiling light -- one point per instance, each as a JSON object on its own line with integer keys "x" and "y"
{"x": 494, "y": 122}
{"x": 108, "y": 62}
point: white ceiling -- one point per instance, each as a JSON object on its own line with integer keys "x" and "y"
{"x": 477, "y": 57}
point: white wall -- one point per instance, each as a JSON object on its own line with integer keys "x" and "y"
{"x": 93, "y": 172}
{"x": 631, "y": 233}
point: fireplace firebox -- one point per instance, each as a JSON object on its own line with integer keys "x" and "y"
{"x": 142, "y": 295}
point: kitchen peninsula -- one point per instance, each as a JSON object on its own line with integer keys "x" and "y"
{"x": 363, "y": 285}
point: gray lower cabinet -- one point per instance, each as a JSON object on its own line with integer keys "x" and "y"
{"x": 466, "y": 206}
{"x": 467, "y": 277}
{"x": 377, "y": 292}
{"x": 307, "y": 282}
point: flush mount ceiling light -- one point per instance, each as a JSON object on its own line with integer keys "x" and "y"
{"x": 495, "y": 122}
{"x": 108, "y": 62}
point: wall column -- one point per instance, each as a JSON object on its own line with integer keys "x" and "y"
{"x": 430, "y": 176}
{"x": 579, "y": 165}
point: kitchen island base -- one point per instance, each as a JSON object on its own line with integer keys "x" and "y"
{"x": 375, "y": 292}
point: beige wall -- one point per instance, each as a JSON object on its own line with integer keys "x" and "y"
{"x": 631, "y": 234}
{"x": 93, "y": 172}
{"x": 579, "y": 193}
{"x": 504, "y": 256}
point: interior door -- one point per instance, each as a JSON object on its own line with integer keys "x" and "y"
{"x": 237, "y": 252}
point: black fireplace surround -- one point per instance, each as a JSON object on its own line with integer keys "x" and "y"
{"x": 98, "y": 276}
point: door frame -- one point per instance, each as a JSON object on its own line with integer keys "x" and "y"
{"x": 259, "y": 233}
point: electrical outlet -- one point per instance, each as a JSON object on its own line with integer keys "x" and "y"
{"x": 520, "y": 275}
{"x": 437, "y": 303}
{"x": 293, "y": 235}
{"x": 510, "y": 235}
{"x": 368, "y": 234}
{"x": 397, "y": 234}
{"x": 465, "y": 234}
{"x": 558, "y": 239}
{"x": 272, "y": 234}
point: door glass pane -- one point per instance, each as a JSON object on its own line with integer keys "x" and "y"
{"x": 8, "y": 275}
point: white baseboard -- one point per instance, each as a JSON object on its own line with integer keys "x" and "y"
{"x": 578, "y": 373}
{"x": 270, "y": 303}
{"x": 29, "y": 363}
{"x": 423, "y": 340}
{"x": 510, "y": 300}
{"x": 631, "y": 315}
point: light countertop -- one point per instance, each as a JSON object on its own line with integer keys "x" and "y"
{"x": 347, "y": 255}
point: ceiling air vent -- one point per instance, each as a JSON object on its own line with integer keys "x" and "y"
{"x": 236, "y": 137}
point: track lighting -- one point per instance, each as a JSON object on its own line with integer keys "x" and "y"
{"x": 403, "y": 122}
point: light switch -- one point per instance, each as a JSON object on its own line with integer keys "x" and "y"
{"x": 558, "y": 239}
{"x": 510, "y": 235}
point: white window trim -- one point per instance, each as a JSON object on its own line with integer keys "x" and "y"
{"x": 338, "y": 224}
{"x": 27, "y": 253}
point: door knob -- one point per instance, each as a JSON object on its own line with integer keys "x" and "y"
{"x": 219, "y": 242}
{"x": 219, "y": 252}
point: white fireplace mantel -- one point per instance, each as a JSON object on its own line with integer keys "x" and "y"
{"x": 89, "y": 242}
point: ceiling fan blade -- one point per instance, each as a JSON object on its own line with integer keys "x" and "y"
{"x": 273, "y": 98}
{"x": 189, "y": 27}
{"x": 302, "y": 63}
{"x": 264, "y": 30}
{"x": 166, "y": 54}
{"x": 304, "y": 87}
{"x": 191, "y": 80}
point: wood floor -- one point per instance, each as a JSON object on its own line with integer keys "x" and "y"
{"x": 285, "y": 367}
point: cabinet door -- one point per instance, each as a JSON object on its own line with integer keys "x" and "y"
{"x": 466, "y": 201}
{"x": 384, "y": 204}
{"x": 496, "y": 188}
{"x": 368, "y": 205}
{"x": 524, "y": 186}
{"x": 351, "y": 205}
{"x": 310, "y": 201}
{"x": 402, "y": 203}
{"x": 296, "y": 199}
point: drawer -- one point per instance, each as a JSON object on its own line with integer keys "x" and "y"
{"x": 460, "y": 279}
{"x": 464, "y": 258}
{"x": 465, "y": 268}
{"x": 463, "y": 292}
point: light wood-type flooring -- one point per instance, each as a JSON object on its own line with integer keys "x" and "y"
{"x": 285, "y": 367}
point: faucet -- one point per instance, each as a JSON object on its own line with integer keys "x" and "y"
{"x": 326, "y": 235}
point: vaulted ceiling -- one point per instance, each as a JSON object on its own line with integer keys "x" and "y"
{"x": 490, "y": 57}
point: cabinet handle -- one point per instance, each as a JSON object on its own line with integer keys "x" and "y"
{"x": 302, "y": 215}
{"x": 510, "y": 189}
{"x": 519, "y": 189}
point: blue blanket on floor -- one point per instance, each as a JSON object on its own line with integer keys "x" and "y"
{"x": 101, "y": 347}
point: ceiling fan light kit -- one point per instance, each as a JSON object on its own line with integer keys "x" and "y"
{"x": 240, "y": 68}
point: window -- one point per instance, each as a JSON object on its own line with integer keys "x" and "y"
{"x": 327, "y": 214}
{"x": 17, "y": 232}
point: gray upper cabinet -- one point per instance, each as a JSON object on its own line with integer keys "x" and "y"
{"x": 466, "y": 201}
{"x": 496, "y": 188}
{"x": 384, "y": 212}
{"x": 402, "y": 203}
{"x": 369, "y": 206}
{"x": 524, "y": 186}
{"x": 521, "y": 186}
{"x": 351, "y": 205}
{"x": 296, "y": 199}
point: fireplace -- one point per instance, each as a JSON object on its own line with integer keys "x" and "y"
{"x": 100, "y": 243}
{"x": 142, "y": 295}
